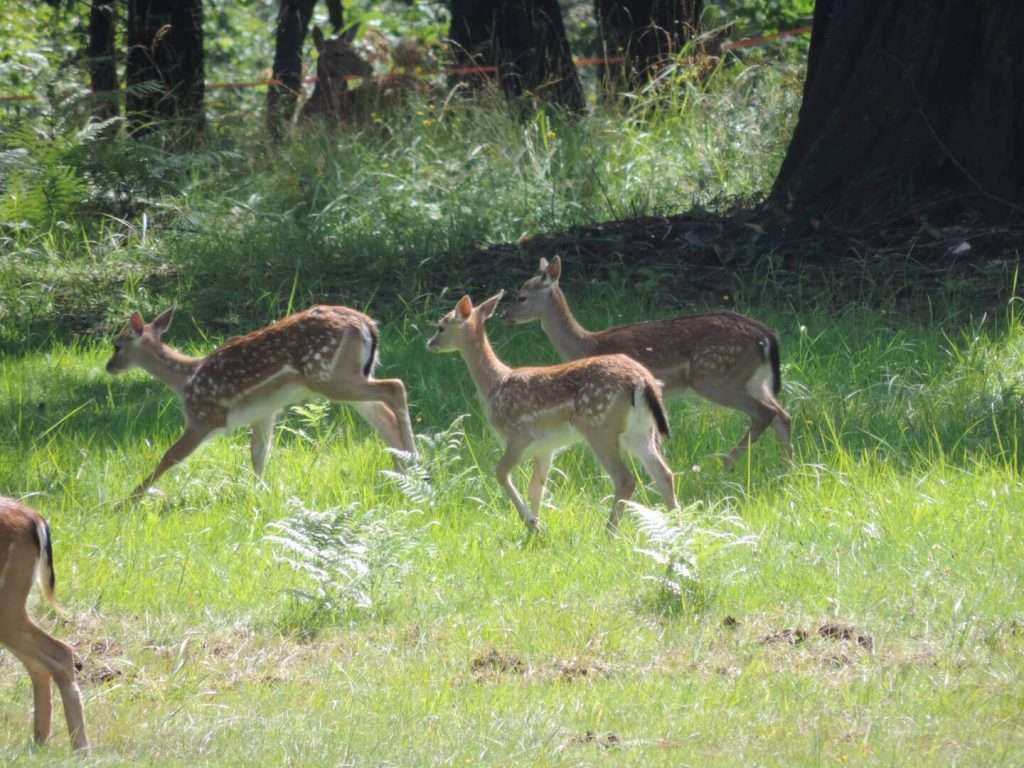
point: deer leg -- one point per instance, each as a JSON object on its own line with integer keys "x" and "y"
{"x": 186, "y": 444}
{"x": 383, "y": 419}
{"x": 606, "y": 449}
{"x": 541, "y": 467}
{"x": 60, "y": 661}
{"x": 390, "y": 392}
{"x": 513, "y": 452}
{"x": 41, "y": 696}
{"x": 646, "y": 449}
{"x": 261, "y": 442}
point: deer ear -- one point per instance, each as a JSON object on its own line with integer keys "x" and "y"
{"x": 318, "y": 39}
{"x": 163, "y": 321}
{"x": 542, "y": 268}
{"x": 464, "y": 308}
{"x": 554, "y": 270}
{"x": 136, "y": 323}
{"x": 486, "y": 309}
{"x": 349, "y": 35}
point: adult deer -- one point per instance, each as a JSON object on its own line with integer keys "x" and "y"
{"x": 25, "y": 554}
{"x": 324, "y": 350}
{"x": 338, "y": 62}
{"x": 727, "y": 358}
{"x": 611, "y": 402}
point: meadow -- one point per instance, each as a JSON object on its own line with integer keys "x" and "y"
{"x": 860, "y": 606}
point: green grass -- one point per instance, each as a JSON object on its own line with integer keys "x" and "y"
{"x": 900, "y": 517}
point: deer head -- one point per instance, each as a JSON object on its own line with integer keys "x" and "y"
{"x": 465, "y": 320}
{"x": 338, "y": 59}
{"x": 534, "y": 296}
{"x": 138, "y": 341}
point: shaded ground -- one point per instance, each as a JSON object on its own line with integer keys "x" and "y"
{"x": 708, "y": 257}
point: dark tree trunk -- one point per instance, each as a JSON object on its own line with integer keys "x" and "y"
{"x": 471, "y": 38}
{"x": 292, "y": 24}
{"x": 525, "y": 40}
{"x": 910, "y": 103}
{"x": 164, "y": 67}
{"x": 102, "y": 59}
{"x": 533, "y": 53}
{"x": 645, "y": 34}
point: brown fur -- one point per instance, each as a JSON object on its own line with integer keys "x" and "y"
{"x": 22, "y": 547}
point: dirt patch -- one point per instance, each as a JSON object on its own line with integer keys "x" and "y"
{"x": 574, "y": 669}
{"x": 832, "y": 631}
{"x": 494, "y": 661}
{"x": 604, "y": 741}
{"x": 827, "y": 631}
{"x": 730, "y": 622}
{"x": 788, "y": 636}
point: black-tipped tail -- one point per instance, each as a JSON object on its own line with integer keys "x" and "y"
{"x": 773, "y": 353}
{"x": 372, "y": 359}
{"x": 47, "y": 576}
{"x": 657, "y": 407}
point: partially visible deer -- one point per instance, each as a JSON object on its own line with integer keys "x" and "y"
{"x": 324, "y": 350}
{"x": 26, "y": 555}
{"x": 725, "y": 357}
{"x": 338, "y": 63}
{"x": 612, "y": 402}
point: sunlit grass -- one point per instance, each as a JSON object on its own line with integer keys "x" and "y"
{"x": 900, "y": 518}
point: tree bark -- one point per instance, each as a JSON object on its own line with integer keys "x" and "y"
{"x": 292, "y": 24}
{"x": 645, "y": 34}
{"x": 102, "y": 59}
{"x": 910, "y": 103}
{"x": 525, "y": 40}
{"x": 164, "y": 66}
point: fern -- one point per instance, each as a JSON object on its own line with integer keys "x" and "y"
{"x": 435, "y": 477}
{"x": 689, "y": 546}
{"x": 347, "y": 557}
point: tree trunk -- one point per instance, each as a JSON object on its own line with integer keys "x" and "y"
{"x": 533, "y": 53}
{"x": 525, "y": 40}
{"x": 645, "y": 34}
{"x": 102, "y": 59}
{"x": 164, "y": 67}
{"x": 909, "y": 103}
{"x": 292, "y": 24}
{"x": 471, "y": 39}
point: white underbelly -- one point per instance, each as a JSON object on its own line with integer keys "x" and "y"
{"x": 251, "y": 410}
{"x": 550, "y": 441}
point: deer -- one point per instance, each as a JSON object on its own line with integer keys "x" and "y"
{"x": 26, "y": 555}
{"x": 329, "y": 351}
{"x": 725, "y": 357}
{"x": 337, "y": 63}
{"x": 612, "y": 403}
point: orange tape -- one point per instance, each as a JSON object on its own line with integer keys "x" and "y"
{"x": 747, "y": 42}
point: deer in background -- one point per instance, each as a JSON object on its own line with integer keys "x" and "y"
{"x": 325, "y": 350}
{"x": 26, "y": 554}
{"x": 612, "y": 402}
{"x": 725, "y": 357}
{"x": 337, "y": 63}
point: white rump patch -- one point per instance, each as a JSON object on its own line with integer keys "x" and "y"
{"x": 370, "y": 355}
{"x": 760, "y": 383}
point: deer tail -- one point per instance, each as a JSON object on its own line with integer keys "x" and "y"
{"x": 656, "y": 406}
{"x": 45, "y": 574}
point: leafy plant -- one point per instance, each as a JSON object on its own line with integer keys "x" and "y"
{"x": 348, "y": 556}
{"x": 689, "y": 547}
{"x": 435, "y": 477}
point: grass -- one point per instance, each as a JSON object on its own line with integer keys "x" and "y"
{"x": 468, "y": 643}
{"x": 900, "y": 517}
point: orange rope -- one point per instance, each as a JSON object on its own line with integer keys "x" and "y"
{"x": 746, "y": 42}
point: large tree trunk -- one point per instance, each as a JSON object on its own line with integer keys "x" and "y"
{"x": 292, "y": 23}
{"x": 102, "y": 58}
{"x": 905, "y": 104}
{"x": 644, "y": 34}
{"x": 164, "y": 67}
{"x": 525, "y": 40}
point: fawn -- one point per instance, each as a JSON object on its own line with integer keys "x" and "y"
{"x": 611, "y": 402}
{"x": 725, "y": 357}
{"x": 325, "y": 350}
{"x": 26, "y": 554}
